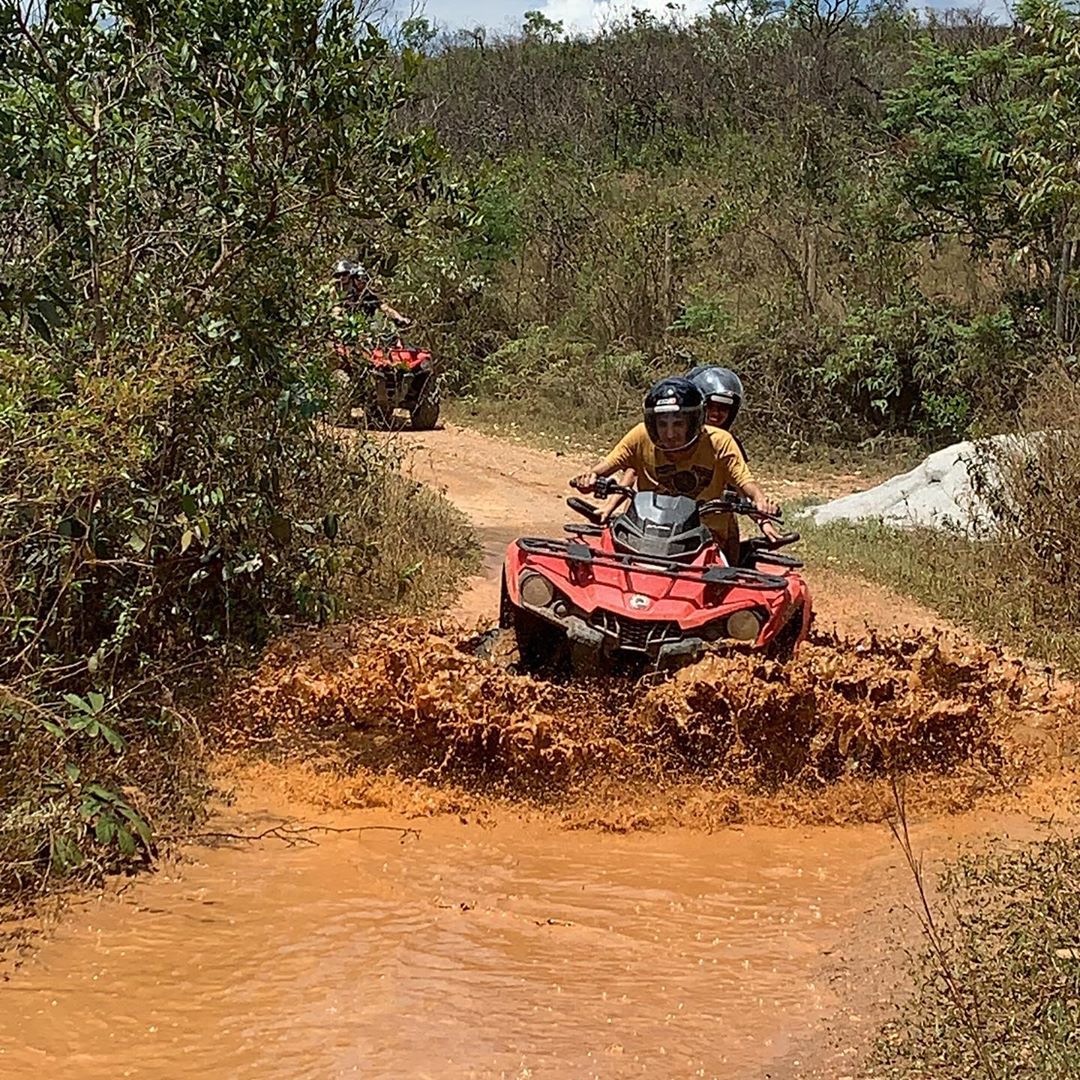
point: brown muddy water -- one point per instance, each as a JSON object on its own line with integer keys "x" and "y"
{"x": 511, "y": 950}
{"x": 504, "y": 945}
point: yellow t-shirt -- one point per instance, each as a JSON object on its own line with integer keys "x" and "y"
{"x": 705, "y": 471}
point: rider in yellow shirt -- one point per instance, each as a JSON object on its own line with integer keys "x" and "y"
{"x": 673, "y": 452}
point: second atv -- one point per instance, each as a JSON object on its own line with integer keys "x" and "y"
{"x": 650, "y": 587}
{"x": 386, "y": 378}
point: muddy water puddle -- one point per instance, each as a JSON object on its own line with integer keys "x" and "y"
{"x": 469, "y": 951}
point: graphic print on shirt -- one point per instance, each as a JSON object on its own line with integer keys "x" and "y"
{"x": 674, "y": 480}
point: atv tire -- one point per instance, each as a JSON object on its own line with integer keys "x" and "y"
{"x": 425, "y": 414}
{"x": 539, "y": 643}
{"x": 782, "y": 647}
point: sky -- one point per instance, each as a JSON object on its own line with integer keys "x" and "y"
{"x": 575, "y": 15}
{"x": 586, "y": 15}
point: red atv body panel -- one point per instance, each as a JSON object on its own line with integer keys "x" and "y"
{"x": 397, "y": 377}
{"x": 402, "y": 357}
{"x": 624, "y": 597}
{"x": 399, "y": 357}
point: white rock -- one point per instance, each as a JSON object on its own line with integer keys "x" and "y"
{"x": 936, "y": 494}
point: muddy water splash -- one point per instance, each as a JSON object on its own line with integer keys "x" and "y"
{"x": 512, "y": 948}
{"x": 402, "y": 697}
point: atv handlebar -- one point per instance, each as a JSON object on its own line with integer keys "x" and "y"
{"x": 586, "y": 510}
{"x": 728, "y": 503}
{"x": 731, "y": 503}
{"x": 605, "y": 487}
{"x": 763, "y": 543}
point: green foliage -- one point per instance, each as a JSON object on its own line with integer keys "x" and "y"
{"x": 537, "y": 25}
{"x": 543, "y": 382}
{"x": 991, "y": 133}
{"x": 957, "y": 114}
{"x": 842, "y": 203}
{"x": 927, "y": 370}
{"x": 178, "y": 179}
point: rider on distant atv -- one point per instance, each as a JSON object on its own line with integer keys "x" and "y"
{"x": 356, "y": 294}
{"x": 674, "y": 453}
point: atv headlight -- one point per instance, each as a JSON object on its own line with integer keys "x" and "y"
{"x": 536, "y": 590}
{"x": 744, "y": 625}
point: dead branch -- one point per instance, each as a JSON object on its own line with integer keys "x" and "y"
{"x": 970, "y": 1013}
{"x": 291, "y": 836}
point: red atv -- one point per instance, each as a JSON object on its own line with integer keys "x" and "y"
{"x": 390, "y": 378}
{"x": 650, "y": 585}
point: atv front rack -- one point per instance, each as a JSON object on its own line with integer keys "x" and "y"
{"x": 575, "y": 552}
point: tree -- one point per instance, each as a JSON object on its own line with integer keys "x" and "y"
{"x": 538, "y": 27}
{"x": 176, "y": 179}
{"x": 989, "y": 135}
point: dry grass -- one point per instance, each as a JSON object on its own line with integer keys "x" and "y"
{"x": 998, "y": 985}
{"x": 1022, "y": 587}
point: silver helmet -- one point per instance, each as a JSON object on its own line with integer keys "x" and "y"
{"x": 721, "y": 385}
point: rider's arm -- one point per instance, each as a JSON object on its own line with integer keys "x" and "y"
{"x": 757, "y": 496}
{"x": 753, "y": 492}
{"x": 730, "y": 456}
{"x": 586, "y": 481}
{"x": 390, "y": 313}
{"x": 624, "y": 456}
{"x": 611, "y": 507}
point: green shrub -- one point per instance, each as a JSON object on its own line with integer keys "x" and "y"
{"x": 1009, "y": 1004}
{"x": 178, "y": 179}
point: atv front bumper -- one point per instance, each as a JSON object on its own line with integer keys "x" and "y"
{"x": 606, "y": 634}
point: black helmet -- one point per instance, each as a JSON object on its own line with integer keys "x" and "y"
{"x": 719, "y": 384}
{"x": 679, "y": 396}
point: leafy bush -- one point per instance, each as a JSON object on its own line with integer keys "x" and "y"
{"x": 869, "y": 215}
{"x": 178, "y": 179}
{"x": 909, "y": 369}
{"x": 544, "y": 383}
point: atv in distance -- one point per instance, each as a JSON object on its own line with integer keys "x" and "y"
{"x": 388, "y": 377}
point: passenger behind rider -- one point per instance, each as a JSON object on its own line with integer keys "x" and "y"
{"x": 674, "y": 453}
{"x": 355, "y": 294}
{"x": 723, "y": 393}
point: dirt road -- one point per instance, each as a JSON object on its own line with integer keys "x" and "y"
{"x": 488, "y": 943}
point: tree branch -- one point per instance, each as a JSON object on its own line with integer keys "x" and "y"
{"x": 61, "y": 81}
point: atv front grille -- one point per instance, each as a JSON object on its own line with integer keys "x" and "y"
{"x": 636, "y": 635}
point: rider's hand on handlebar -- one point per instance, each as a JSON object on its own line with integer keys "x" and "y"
{"x": 770, "y": 530}
{"x": 766, "y": 505}
{"x": 584, "y": 483}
